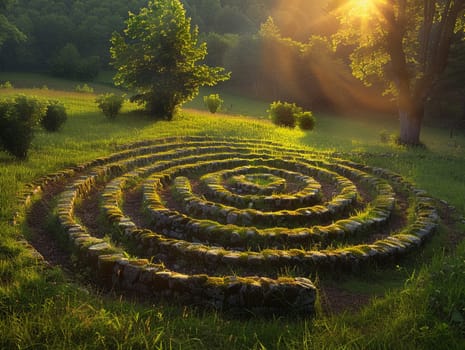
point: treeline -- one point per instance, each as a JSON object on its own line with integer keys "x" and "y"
{"x": 79, "y": 31}
{"x": 283, "y": 58}
{"x": 272, "y": 66}
{"x": 279, "y": 59}
{"x": 66, "y": 37}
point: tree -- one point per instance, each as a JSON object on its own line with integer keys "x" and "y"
{"x": 232, "y": 20}
{"x": 7, "y": 29}
{"x": 65, "y": 62}
{"x": 218, "y": 45}
{"x": 157, "y": 57}
{"x": 203, "y": 13}
{"x": 405, "y": 44}
{"x": 455, "y": 77}
{"x": 69, "y": 64}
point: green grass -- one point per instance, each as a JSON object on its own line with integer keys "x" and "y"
{"x": 233, "y": 104}
{"x": 103, "y": 83}
{"x": 418, "y": 304}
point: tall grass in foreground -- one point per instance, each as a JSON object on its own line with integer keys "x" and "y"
{"x": 420, "y": 304}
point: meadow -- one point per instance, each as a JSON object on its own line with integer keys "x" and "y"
{"x": 415, "y": 303}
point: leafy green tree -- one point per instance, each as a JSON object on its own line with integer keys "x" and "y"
{"x": 7, "y": 29}
{"x": 455, "y": 76}
{"x": 232, "y": 20}
{"x": 203, "y": 13}
{"x": 405, "y": 45}
{"x": 68, "y": 63}
{"x": 157, "y": 56}
{"x": 244, "y": 60}
{"x": 218, "y": 45}
{"x": 229, "y": 16}
{"x": 52, "y": 32}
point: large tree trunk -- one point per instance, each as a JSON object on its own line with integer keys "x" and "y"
{"x": 411, "y": 113}
{"x": 410, "y": 127}
{"x": 433, "y": 57}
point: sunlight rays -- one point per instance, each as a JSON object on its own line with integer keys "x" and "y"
{"x": 362, "y": 8}
{"x": 362, "y": 15}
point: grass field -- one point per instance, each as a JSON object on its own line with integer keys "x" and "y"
{"x": 418, "y": 304}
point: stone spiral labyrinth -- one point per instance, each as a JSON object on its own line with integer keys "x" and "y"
{"x": 227, "y": 222}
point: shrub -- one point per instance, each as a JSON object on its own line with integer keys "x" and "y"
{"x": 110, "y": 104}
{"x": 306, "y": 121}
{"x": 6, "y": 85}
{"x": 393, "y": 139}
{"x": 384, "y": 136}
{"x": 55, "y": 116}
{"x": 84, "y": 88}
{"x": 18, "y": 118}
{"x": 16, "y": 137}
{"x": 213, "y": 102}
{"x": 29, "y": 108}
{"x": 284, "y": 113}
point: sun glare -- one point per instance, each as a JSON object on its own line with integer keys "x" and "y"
{"x": 362, "y": 8}
{"x": 362, "y": 5}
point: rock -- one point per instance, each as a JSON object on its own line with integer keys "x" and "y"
{"x": 130, "y": 274}
{"x": 231, "y": 218}
{"x": 213, "y": 256}
{"x": 235, "y": 237}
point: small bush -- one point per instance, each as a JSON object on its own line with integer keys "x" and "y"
{"x": 55, "y": 116}
{"x": 213, "y": 102}
{"x": 16, "y": 138}
{"x": 110, "y": 104}
{"x": 29, "y": 108}
{"x": 306, "y": 121}
{"x": 384, "y": 136}
{"x": 6, "y": 85}
{"x": 84, "y": 88}
{"x": 18, "y": 117}
{"x": 284, "y": 113}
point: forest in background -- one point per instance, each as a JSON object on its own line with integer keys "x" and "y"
{"x": 275, "y": 51}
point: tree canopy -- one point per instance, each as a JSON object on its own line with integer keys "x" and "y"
{"x": 295, "y": 62}
{"x": 403, "y": 44}
{"x": 8, "y": 29}
{"x": 158, "y": 55}
{"x": 50, "y": 25}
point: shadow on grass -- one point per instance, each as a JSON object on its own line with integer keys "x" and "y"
{"x": 8, "y": 159}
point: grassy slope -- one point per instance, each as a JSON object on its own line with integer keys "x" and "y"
{"x": 47, "y": 309}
